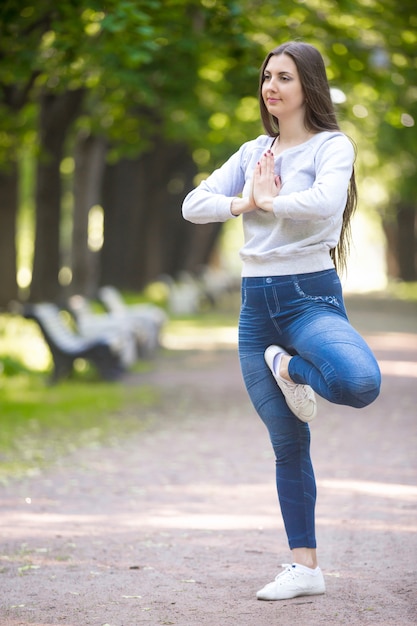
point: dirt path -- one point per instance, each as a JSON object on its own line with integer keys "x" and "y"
{"x": 180, "y": 525}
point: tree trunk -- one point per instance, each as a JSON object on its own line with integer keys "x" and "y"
{"x": 200, "y": 246}
{"x": 391, "y": 256}
{"x": 123, "y": 212}
{"x": 145, "y": 234}
{"x": 407, "y": 242}
{"x": 13, "y": 97}
{"x": 89, "y": 156}
{"x": 57, "y": 112}
{"x": 8, "y": 213}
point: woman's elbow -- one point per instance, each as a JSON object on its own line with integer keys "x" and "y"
{"x": 187, "y": 207}
{"x": 188, "y": 213}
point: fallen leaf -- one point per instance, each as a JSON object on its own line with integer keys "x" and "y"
{"x": 25, "y": 568}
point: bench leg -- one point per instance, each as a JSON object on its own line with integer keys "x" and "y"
{"x": 108, "y": 364}
{"x": 63, "y": 366}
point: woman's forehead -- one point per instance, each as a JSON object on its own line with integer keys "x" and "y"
{"x": 278, "y": 63}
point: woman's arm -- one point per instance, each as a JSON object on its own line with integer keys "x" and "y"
{"x": 216, "y": 199}
{"x": 326, "y": 197}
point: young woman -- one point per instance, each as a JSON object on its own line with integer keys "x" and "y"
{"x": 295, "y": 190}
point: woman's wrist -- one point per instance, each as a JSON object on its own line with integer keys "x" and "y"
{"x": 266, "y": 203}
{"x": 241, "y": 205}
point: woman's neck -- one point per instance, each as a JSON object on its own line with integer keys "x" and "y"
{"x": 287, "y": 140}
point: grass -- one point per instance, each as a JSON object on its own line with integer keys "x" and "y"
{"x": 402, "y": 291}
{"x": 40, "y": 422}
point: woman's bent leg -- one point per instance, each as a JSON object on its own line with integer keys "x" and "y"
{"x": 335, "y": 361}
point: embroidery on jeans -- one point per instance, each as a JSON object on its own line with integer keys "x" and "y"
{"x": 329, "y": 299}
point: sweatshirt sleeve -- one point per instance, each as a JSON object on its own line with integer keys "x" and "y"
{"x": 211, "y": 200}
{"x": 326, "y": 197}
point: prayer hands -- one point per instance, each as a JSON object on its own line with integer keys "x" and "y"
{"x": 265, "y": 185}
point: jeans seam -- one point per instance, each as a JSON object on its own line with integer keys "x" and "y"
{"x": 273, "y": 314}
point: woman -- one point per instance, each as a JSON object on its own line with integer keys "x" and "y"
{"x": 295, "y": 189}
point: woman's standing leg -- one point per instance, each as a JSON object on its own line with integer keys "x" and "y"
{"x": 289, "y": 436}
{"x": 290, "y": 440}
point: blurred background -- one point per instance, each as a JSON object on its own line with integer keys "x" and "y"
{"x": 111, "y": 112}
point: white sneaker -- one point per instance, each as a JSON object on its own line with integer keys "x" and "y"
{"x": 295, "y": 580}
{"x": 300, "y": 398}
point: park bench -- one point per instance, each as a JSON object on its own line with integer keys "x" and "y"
{"x": 145, "y": 320}
{"x": 184, "y": 293}
{"x": 91, "y": 324}
{"x": 66, "y": 345}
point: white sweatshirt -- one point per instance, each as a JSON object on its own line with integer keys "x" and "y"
{"x": 307, "y": 214}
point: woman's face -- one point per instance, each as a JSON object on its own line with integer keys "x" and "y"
{"x": 282, "y": 92}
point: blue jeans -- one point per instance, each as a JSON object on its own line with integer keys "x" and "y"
{"x": 305, "y": 314}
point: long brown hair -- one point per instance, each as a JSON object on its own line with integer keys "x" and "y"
{"x": 319, "y": 116}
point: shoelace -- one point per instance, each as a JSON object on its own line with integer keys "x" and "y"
{"x": 300, "y": 393}
{"x": 288, "y": 569}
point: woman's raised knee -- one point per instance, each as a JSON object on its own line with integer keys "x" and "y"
{"x": 364, "y": 390}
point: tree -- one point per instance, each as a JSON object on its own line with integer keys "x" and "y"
{"x": 145, "y": 234}
{"x": 17, "y": 77}
{"x": 169, "y": 89}
{"x": 8, "y": 211}
{"x": 57, "y": 112}
{"x": 379, "y": 78}
{"x": 89, "y": 163}
{"x": 48, "y": 56}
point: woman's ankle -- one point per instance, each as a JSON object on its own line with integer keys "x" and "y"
{"x": 305, "y": 556}
{"x": 283, "y": 368}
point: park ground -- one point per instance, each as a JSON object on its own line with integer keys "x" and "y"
{"x": 179, "y": 523}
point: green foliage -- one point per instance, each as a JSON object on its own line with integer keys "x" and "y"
{"x": 187, "y": 70}
{"x": 403, "y": 291}
{"x": 373, "y": 56}
{"x": 11, "y": 367}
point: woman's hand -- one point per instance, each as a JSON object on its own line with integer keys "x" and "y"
{"x": 266, "y": 186}
{"x": 243, "y": 205}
